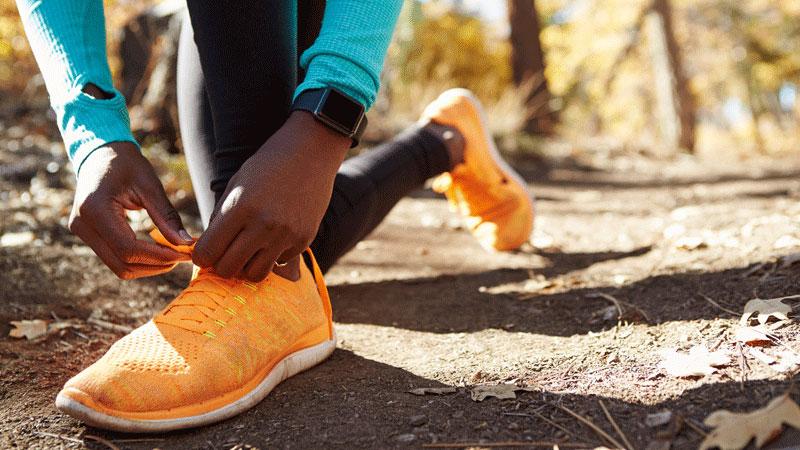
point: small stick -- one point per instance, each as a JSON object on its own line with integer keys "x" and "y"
{"x": 609, "y": 298}
{"x": 614, "y": 424}
{"x": 109, "y": 326}
{"x": 591, "y": 425}
{"x": 710, "y": 300}
{"x": 553, "y": 423}
{"x": 618, "y": 304}
{"x": 547, "y": 444}
{"x": 103, "y": 441}
{"x": 695, "y": 427}
{"x": 58, "y": 436}
{"x": 138, "y": 440}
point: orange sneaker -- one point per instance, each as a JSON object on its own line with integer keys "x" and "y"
{"x": 215, "y": 351}
{"x": 492, "y": 196}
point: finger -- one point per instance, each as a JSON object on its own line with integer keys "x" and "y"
{"x": 114, "y": 230}
{"x": 214, "y": 242}
{"x": 98, "y": 245}
{"x": 289, "y": 254}
{"x": 259, "y": 267}
{"x": 110, "y": 259}
{"x": 165, "y": 217}
{"x": 239, "y": 252}
{"x": 142, "y": 270}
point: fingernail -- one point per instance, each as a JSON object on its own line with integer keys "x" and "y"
{"x": 185, "y": 235}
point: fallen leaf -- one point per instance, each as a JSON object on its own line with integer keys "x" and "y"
{"x": 433, "y": 390}
{"x": 658, "y": 419}
{"x": 758, "y": 335}
{"x": 501, "y": 391}
{"x": 787, "y": 361}
{"x": 29, "y": 329}
{"x": 733, "y": 431}
{"x": 761, "y": 356}
{"x": 772, "y": 307}
{"x": 786, "y": 241}
{"x": 697, "y": 362}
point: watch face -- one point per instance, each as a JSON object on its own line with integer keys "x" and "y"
{"x": 342, "y": 110}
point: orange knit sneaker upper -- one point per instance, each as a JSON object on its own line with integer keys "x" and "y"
{"x": 211, "y": 347}
{"x": 494, "y": 199}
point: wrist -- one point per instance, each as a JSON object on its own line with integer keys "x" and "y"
{"x": 331, "y": 143}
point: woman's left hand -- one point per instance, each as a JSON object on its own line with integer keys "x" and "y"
{"x": 273, "y": 205}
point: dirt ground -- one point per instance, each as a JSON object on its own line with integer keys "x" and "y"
{"x": 420, "y": 304}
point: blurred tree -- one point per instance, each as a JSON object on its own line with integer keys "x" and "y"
{"x": 672, "y": 85}
{"x": 528, "y": 65}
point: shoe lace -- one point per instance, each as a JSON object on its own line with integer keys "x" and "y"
{"x": 200, "y": 302}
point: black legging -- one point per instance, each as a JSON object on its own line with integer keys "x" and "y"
{"x": 236, "y": 77}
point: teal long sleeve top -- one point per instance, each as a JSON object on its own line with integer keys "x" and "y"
{"x": 68, "y": 39}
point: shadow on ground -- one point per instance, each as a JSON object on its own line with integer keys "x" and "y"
{"x": 370, "y": 399}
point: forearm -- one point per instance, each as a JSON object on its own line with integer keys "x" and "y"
{"x": 68, "y": 40}
{"x": 349, "y": 53}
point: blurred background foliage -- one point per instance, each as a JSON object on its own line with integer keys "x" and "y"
{"x": 628, "y": 75}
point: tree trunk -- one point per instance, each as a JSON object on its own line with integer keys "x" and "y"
{"x": 674, "y": 84}
{"x": 527, "y": 61}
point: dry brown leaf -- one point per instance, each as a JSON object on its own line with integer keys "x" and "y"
{"x": 772, "y": 307}
{"x": 501, "y": 391}
{"x": 433, "y": 390}
{"x": 733, "y": 431}
{"x": 697, "y": 362}
{"x": 29, "y": 329}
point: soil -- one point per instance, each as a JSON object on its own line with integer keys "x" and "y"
{"x": 420, "y": 304}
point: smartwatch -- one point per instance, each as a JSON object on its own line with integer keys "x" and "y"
{"x": 334, "y": 109}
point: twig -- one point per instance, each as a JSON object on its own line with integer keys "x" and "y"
{"x": 58, "y": 436}
{"x": 618, "y": 303}
{"x": 553, "y": 423}
{"x": 743, "y": 366}
{"x": 591, "y": 425}
{"x": 109, "y": 326}
{"x": 609, "y": 298}
{"x": 616, "y": 427}
{"x": 547, "y": 444}
{"x": 710, "y": 300}
{"x": 103, "y": 441}
{"x": 132, "y": 440}
{"x": 695, "y": 427}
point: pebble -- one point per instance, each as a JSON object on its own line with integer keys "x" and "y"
{"x": 407, "y": 437}
{"x": 418, "y": 420}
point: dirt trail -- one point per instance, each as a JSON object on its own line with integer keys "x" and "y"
{"x": 419, "y": 304}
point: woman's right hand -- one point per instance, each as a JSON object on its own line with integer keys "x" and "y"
{"x": 113, "y": 179}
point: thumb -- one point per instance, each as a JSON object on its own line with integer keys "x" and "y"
{"x": 166, "y": 218}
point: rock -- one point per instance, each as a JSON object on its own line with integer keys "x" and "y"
{"x": 658, "y": 419}
{"x": 17, "y": 239}
{"x": 407, "y": 437}
{"x": 418, "y": 420}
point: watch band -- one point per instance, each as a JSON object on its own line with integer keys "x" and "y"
{"x": 335, "y": 110}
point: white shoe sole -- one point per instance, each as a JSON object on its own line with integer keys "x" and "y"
{"x": 287, "y": 367}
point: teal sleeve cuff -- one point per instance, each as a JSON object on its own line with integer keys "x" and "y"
{"x": 87, "y": 123}
{"x": 349, "y": 52}
{"x": 330, "y": 70}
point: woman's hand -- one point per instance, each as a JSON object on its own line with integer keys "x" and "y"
{"x": 273, "y": 205}
{"x": 113, "y": 179}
